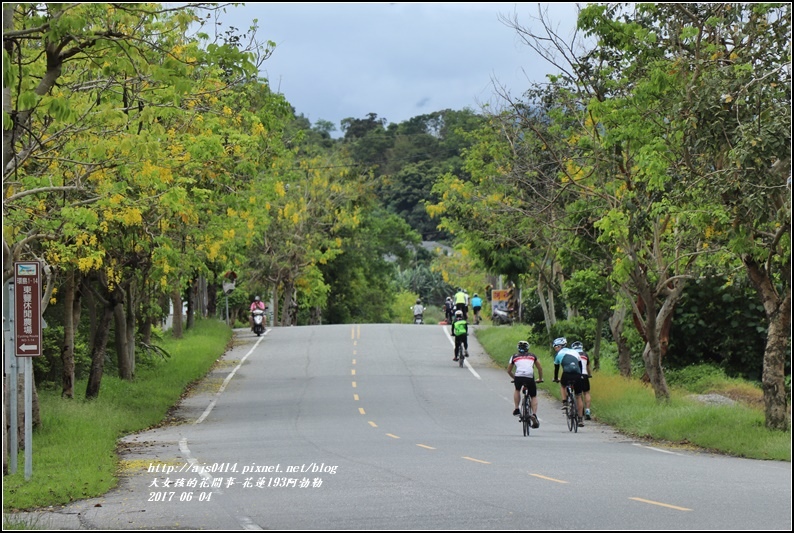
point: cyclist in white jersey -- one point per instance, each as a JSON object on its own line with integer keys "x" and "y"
{"x": 521, "y": 368}
{"x": 586, "y": 373}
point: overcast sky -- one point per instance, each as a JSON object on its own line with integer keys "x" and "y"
{"x": 397, "y": 60}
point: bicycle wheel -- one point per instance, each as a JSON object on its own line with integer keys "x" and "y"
{"x": 525, "y": 412}
{"x": 461, "y": 356}
{"x": 575, "y": 419}
{"x": 571, "y": 408}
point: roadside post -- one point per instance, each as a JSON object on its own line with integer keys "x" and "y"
{"x": 27, "y": 339}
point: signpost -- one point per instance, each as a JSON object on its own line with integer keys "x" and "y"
{"x": 27, "y": 340}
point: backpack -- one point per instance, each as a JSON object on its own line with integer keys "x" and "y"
{"x": 460, "y": 328}
{"x": 570, "y": 364}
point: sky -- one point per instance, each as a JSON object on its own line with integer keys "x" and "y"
{"x": 397, "y": 60}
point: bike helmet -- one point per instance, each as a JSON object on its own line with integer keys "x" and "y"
{"x": 523, "y": 346}
{"x": 418, "y": 301}
{"x": 458, "y": 313}
{"x": 559, "y": 341}
{"x": 256, "y": 298}
{"x": 577, "y": 346}
{"x": 475, "y": 295}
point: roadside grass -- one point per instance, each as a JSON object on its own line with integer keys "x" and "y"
{"x": 74, "y": 449}
{"x": 630, "y": 406}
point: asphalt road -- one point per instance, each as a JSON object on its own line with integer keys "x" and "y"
{"x": 375, "y": 427}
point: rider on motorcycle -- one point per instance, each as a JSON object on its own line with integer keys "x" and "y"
{"x": 256, "y": 304}
{"x": 419, "y": 311}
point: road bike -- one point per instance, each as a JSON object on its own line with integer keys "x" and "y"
{"x": 525, "y": 409}
{"x": 460, "y": 354}
{"x": 571, "y": 412}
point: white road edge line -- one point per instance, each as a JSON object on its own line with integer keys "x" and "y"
{"x": 452, "y": 340}
{"x": 656, "y": 449}
{"x": 226, "y": 382}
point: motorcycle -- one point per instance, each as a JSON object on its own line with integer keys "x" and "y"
{"x": 500, "y": 317}
{"x": 418, "y": 319}
{"x": 259, "y": 322}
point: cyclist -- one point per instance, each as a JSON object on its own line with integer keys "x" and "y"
{"x": 524, "y": 362}
{"x": 571, "y": 372}
{"x": 461, "y": 301}
{"x": 460, "y": 330}
{"x": 449, "y": 309}
{"x": 586, "y": 373}
{"x": 476, "y": 305}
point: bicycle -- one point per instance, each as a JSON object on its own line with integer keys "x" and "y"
{"x": 571, "y": 412}
{"x": 460, "y": 354}
{"x": 526, "y": 409}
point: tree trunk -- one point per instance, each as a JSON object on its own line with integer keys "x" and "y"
{"x": 597, "y": 343}
{"x": 176, "y": 326}
{"x": 616, "y": 322}
{"x": 778, "y": 313}
{"x": 67, "y": 348}
{"x": 98, "y": 351}
{"x": 192, "y": 296}
{"x": 122, "y": 351}
{"x": 130, "y": 328}
{"x": 275, "y": 302}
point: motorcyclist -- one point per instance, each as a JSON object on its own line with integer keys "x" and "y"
{"x": 256, "y": 304}
{"x": 419, "y": 310}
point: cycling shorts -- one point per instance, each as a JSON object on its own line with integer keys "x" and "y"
{"x": 574, "y": 379}
{"x": 585, "y": 383}
{"x": 529, "y": 383}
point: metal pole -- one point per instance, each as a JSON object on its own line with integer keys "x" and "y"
{"x": 227, "y": 309}
{"x": 13, "y": 374}
{"x": 28, "y": 418}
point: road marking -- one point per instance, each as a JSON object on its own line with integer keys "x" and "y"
{"x": 227, "y": 380}
{"x": 452, "y": 340}
{"x": 355, "y": 397}
{"x": 361, "y": 410}
{"x": 476, "y": 460}
{"x": 425, "y": 446}
{"x": 661, "y": 504}
{"x": 392, "y": 436}
{"x": 354, "y": 361}
{"x": 549, "y": 478}
{"x": 354, "y": 384}
{"x": 373, "y": 424}
{"x": 657, "y": 449}
{"x": 353, "y": 372}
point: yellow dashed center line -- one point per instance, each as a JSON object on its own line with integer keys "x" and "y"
{"x": 425, "y": 446}
{"x": 354, "y": 361}
{"x": 373, "y": 424}
{"x": 353, "y": 372}
{"x": 355, "y": 397}
{"x": 476, "y": 460}
{"x": 354, "y": 384}
{"x": 361, "y": 410}
{"x": 549, "y": 478}
{"x": 661, "y": 504}
{"x": 392, "y": 436}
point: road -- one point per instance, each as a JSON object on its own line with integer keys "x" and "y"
{"x": 375, "y": 427}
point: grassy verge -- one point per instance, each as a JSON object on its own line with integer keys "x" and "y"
{"x": 74, "y": 449}
{"x": 630, "y": 406}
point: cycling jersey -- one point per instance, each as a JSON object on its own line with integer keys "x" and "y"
{"x": 524, "y": 363}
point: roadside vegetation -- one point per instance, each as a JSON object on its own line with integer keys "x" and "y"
{"x": 735, "y": 427}
{"x": 74, "y": 450}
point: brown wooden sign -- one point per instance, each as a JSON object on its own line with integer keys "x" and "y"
{"x": 27, "y": 309}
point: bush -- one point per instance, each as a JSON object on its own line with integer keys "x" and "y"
{"x": 575, "y": 329}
